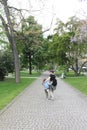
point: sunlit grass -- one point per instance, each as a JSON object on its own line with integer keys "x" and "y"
{"x": 9, "y": 89}
{"x": 26, "y": 74}
{"x": 79, "y": 83}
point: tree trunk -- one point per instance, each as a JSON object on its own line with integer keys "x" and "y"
{"x": 12, "y": 41}
{"x": 76, "y": 62}
{"x": 30, "y": 65}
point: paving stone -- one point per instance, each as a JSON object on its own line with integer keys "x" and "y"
{"x": 32, "y": 111}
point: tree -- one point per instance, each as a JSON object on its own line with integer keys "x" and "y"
{"x": 11, "y": 38}
{"x": 31, "y": 39}
{"x": 78, "y": 43}
{"x": 16, "y": 18}
{"x": 68, "y": 46}
{"x": 41, "y": 57}
{"x": 58, "y": 48}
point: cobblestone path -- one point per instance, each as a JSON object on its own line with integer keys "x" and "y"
{"x": 32, "y": 111}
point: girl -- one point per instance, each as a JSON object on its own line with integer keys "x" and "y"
{"x": 46, "y": 87}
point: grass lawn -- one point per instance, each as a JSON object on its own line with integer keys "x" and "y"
{"x": 79, "y": 83}
{"x": 9, "y": 89}
{"x": 26, "y": 74}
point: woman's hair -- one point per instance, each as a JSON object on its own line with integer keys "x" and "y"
{"x": 51, "y": 71}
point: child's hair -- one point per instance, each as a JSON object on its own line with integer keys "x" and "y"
{"x": 44, "y": 80}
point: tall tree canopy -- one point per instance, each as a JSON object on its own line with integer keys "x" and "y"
{"x": 29, "y": 38}
{"x": 68, "y": 44}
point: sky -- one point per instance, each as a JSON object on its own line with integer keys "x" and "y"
{"x": 49, "y": 10}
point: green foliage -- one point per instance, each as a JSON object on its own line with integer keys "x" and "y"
{"x": 41, "y": 56}
{"x": 8, "y": 61}
{"x": 2, "y": 68}
{"x": 31, "y": 39}
{"x": 6, "y": 64}
{"x": 66, "y": 46}
{"x": 2, "y": 71}
{"x": 63, "y": 69}
{"x": 58, "y": 48}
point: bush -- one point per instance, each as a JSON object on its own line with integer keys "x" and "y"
{"x": 2, "y": 72}
{"x": 6, "y": 64}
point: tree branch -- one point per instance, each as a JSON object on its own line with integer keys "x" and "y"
{"x": 5, "y": 27}
{"x": 11, "y": 7}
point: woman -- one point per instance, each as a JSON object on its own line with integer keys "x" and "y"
{"x": 53, "y": 83}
